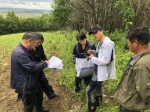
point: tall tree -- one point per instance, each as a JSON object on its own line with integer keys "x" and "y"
{"x": 61, "y": 12}
{"x": 141, "y": 9}
{"x": 2, "y": 25}
{"x": 12, "y": 22}
{"x": 110, "y": 14}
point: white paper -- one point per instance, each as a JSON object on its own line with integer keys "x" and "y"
{"x": 60, "y": 66}
{"x": 55, "y": 62}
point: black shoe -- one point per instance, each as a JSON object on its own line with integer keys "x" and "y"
{"x": 42, "y": 110}
{"x": 45, "y": 110}
{"x": 77, "y": 89}
{"x": 53, "y": 96}
{"x": 92, "y": 105}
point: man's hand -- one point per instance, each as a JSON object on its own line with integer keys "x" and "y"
{"x": 89, "y": 57}
{"x": 47, "y": 62}
{"x": 90, "y": 51}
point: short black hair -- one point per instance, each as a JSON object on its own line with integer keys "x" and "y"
{"x": 141, "y": 34}
{"x": 39, "y": 36}
{"x": 81, "y": 36}
{"x": 29, "y": 35}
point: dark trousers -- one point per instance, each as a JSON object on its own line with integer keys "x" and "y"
{"x": 46, "y": 87}
{"x": 126, "y": 110}
{"x": 78, "y": 80}
{"x": 29, "y": 101}
{"x": 39, "y": 101}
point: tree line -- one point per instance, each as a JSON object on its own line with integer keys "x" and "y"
{"x": 14, "y": 24}
{"x": 82, "y": 15}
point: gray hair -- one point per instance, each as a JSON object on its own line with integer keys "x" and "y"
{"x": 29, "y": 35}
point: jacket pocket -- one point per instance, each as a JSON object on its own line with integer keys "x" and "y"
{"x": 31, "y": 83}
{"x": 125, "y": 94}
{"x": 28, "y": 82}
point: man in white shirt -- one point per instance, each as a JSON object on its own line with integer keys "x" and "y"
{"x": 104, "y": 58}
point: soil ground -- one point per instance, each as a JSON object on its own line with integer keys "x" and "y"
{"x": 8, "y": 98}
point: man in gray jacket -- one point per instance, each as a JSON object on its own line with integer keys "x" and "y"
{"x": 133, "y": 90}
{"x": 104, "y": 59}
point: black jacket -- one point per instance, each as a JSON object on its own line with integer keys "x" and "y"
{"x": 38, "y": 54}
{"x": 78, "y": 49}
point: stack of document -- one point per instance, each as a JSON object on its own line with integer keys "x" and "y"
{"x": 55, "y": 62}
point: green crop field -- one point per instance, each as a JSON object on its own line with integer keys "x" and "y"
{"x": 23, "y": 15}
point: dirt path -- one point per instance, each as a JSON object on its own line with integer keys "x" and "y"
{"x": 64, "y": 103}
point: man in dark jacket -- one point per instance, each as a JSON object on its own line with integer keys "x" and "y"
{"x": 81, "y": 47}
{"x": 38, "y": 55}
{"x": 24, "y": 71}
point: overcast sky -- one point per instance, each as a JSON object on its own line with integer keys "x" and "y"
{"x": 29, "y": 4}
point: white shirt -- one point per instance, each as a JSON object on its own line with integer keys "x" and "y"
{"x": 106, "y": 69}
